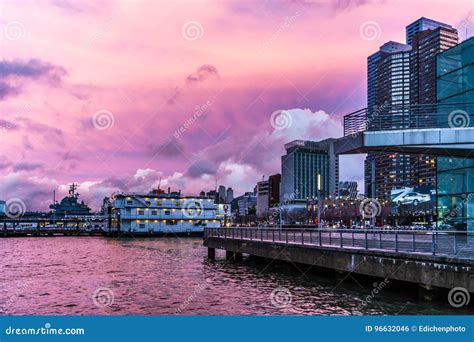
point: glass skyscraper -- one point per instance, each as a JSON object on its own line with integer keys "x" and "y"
{"x": 455, "y": 176}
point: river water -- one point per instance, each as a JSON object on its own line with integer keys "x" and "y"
{"x": 167, "y": 276}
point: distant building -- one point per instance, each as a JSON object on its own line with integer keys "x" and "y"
{"x": 348, "y": 190}
{"x": 300, "y": 167}
{"x": 229, "y": 195}
{"x": 202, "y": 194}
{"x": 262, "y": 199}
{"x": 221, "y": 194}
{"x": 246, "y": 204}
{"x": 213, "y": 195}
{"x": 274, "y": 189}
{"x": 3, "y": 208}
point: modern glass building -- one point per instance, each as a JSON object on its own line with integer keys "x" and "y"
{"x": 455, "y": 176}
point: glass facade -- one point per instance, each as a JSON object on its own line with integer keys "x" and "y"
{"x": 455, "y": 176}
{"x": 455, "y": 74}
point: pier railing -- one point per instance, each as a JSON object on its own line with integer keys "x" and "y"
{"x": 395, "y": 117}
{"x": 437, "y": 243}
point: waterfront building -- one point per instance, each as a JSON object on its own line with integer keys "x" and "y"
{"x": 348, "y": 190}
{"x": 300, "y": 167}
{"x": 167, "y": 213}
{"x": 455, "y": 186}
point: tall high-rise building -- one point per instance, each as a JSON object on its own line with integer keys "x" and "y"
{"x": 388, "y": 86}
{"x": 420, "y": 25}
{"x": 425, "y": 46}
{"x": 401, "y": 75}
{"x": 303, "y": 161}
{"x": 386, "y": 49}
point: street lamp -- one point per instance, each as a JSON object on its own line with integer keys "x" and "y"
{"x": 319, "y": 201}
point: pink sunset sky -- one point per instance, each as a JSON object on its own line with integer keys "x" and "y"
{"x": 114, "y": 95}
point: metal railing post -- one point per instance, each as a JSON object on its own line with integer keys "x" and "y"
{"x": 340, "y": 234}
{"x": 433, "y": 244}
{"x": 273, "y": 235}
{"x": 302, "y": 237}
{"x": 414, "y": 242}
{"x": 261, "y": 235}
{"x": 455, "y": 244}
{"x": 286, "y": 236}
{"x": 380, "y": 240}
{"x": 366, "y": 241}
{"x": 353, "y": 242}
{"x": 330, "y": 239}
{"x": 310, "y": 236}
{"x": 320, "y": 242}
{"x": 396, "y": 241}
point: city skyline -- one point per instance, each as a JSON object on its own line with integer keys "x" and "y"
{"x": 179, "y": 106}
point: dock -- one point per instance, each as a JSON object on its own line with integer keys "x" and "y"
{"x": 432, "y": 259}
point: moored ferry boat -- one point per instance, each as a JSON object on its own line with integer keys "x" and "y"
{"x": 159, "y": 213}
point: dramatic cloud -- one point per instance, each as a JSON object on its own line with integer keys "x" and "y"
{"x": 249, "y": 61}
{"x": 203, "y": 73}
{"x": 33, "y": 68}
{"x": 27, "y": 166}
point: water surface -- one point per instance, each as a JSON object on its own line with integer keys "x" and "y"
{"x": 167, "y": 276}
